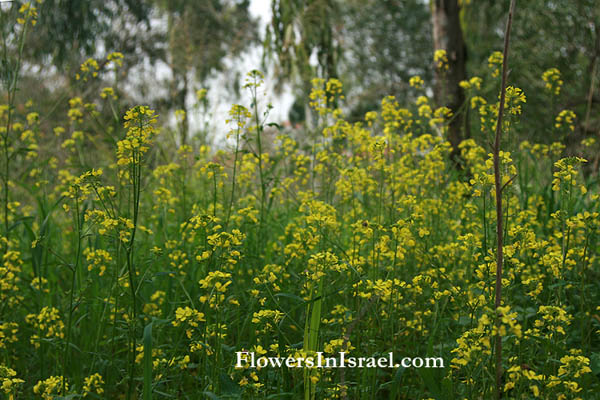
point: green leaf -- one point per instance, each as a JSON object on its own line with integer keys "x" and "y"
{"x": 148, "y": 362}
{"x": 287, "y": 395}
{"x": 396, "y": 381}
{"x": 228, "y": 386}
{"x": 275, "y": 125}
{"x": 291, "y": 296}
{"x": 431, "y": 382}
{"x": 595, "y": 363}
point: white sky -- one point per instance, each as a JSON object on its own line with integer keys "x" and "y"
{"x": 261, "y": 9}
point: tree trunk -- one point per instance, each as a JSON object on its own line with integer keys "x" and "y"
{"x": 447, "y": 35}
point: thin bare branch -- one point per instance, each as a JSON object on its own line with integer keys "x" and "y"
{"x": 499, "y": 187}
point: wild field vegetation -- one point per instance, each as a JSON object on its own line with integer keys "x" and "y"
{"x": 134, "y": 266}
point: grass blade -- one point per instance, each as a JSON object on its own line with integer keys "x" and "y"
{"x": 148, "y": 362}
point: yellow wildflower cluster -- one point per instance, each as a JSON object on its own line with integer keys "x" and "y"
{"x": 97, "y": 259}
{"x": 565, "y": 118}
{"x": 324, "y": 95}
{"x": 552, "y": 321}
{"x": 163, "y": 365}
{"x": 508, "y": 323}
{"x": 474, "y": 345}
{"x": 254, "y": 79}
{"x": 48, "y": 323}
{"x": 8, "y": 334}
{"x": 139, "y": 122}
{"x": 566, "y": 173}
{"x": 574, "y": 365}
{"x": 201, "y": 94}
{"x": 473, "y": 83}
{"x": 189, "y": 318}
{"x": 78, "y": 187}
{"x": 239, "y": 115}
{"x": 495, "y": 61}
{"x": 564, "y": 385}
{"x": 120, "y": 227}
{"x": 514, "y": 98}
{"x": 116, "y": 58}
{"x": 553, "y": 80}
{"x": 215, "y": 284}
{"x": 321, "y": 262}
{"x": 266, "y": 320}
{"x": 108, "y": 92}
{"x": 50, "y": 388}
{"x": 416, "y": 82}
{"x": 28, "y": 13}
{"x": 440, "y": 58}
{"x": 93, "y": 385}
{"x": 10, "y": 270}
{"x": 75, "y": 112}
{"x": 88, "y": 69}
{"x": 440, "y": 115}
{"x": 153, "y": 307}
{"x": 9, "y": 382}
{"x": 335, "y": 346}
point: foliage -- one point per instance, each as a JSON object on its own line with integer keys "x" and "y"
{"x": 133, "y": 265}
{"x": 375, "y": 51}
{"x": 565, "y": 35}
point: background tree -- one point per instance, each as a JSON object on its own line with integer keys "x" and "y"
{"x": 373, "y": 46}
{"x": 448, "y": 36}
{"x": 189, "y": 39}
{"x": 383, "y": 48}
{"x": 304, "y": 40}
{"x": 546, "y": 34}
{"x": 200, "y": 37}
{"x": 68, "y": 30}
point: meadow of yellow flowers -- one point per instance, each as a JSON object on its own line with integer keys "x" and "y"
{"x": 135, "y": 267}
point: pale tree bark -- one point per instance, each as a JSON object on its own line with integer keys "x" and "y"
{"x": 448, "y": 36}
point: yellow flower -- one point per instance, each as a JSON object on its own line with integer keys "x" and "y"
{"x": 116, "y": 58}
{"x": 440, "y": 57}
{"x": 201, "y": 94}
{"x": 50, "y": 388}
{"x": 108, "y": 92}
{"x": 188, "y": 316}
{"x": 28, "y": 13}
{"x": 139, "y": 122}
{"x": 553, "y": 81}
{"x": 565, "y": 117}
{"x": 494, "y": 62}
{"x": 89, "y": 68}
{"x": 93, "y": 384}
{"x": 416, "y": 82}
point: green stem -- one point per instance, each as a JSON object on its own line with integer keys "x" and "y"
{"x": 235, "y": 162}
{"x": 12, "y": 91}
{"x": 72, "y": 295}
{"x": 263, "y": 188}
{"x": 135, "y": 179}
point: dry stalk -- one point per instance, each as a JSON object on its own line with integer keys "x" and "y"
{"x": 499, "y": 188}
